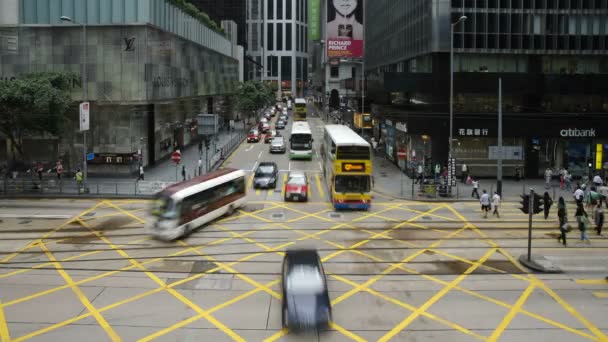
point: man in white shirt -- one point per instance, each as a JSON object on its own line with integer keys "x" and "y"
{"x": 496, "y": 204}
{"x": 465, "y": 173}
{"x": 597, "y": 180}
{"x": 579, "y": 195}
{"x": 485, "y": 203}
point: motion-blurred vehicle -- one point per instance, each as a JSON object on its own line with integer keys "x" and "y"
{"x": 265, "y": 128}
{"x": 284, "y": 117}
{"x": 280, "y": 124}
{"x": 268, "y": 136}
{"x": 265, "y": 176}
{"x": 277, "y": 145}
{"x": 296, "y": 187}
{"x": 253, "y": 136}
{"x": 305, "y": 303}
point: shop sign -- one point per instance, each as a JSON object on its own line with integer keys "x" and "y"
{"x": 473, "y": 132}
{"x": 113, "y": 158}
{"x": 452, "y": 172}
{"x": 401, "y": 126}
{"x": 353, "y": 167}
{"x": 577, "y": 133}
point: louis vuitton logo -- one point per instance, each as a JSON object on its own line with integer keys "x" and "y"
{"x": 130, "y": 44}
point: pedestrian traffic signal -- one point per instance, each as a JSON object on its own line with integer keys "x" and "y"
{"x": 525, "y": 204}
{"x": 538, "y": 205}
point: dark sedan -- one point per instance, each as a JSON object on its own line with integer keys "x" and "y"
{"x": 266, "y": 175}
{"x": 306, "y": 305}
{"x": 280, "y": 124}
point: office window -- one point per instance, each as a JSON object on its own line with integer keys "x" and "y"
{"x": 270, "y": 41}
{"x": 285, "y": 68}
{"x": 288, "y": 9}
{"x": 305, "y": 10}
{"x": 279, "y": 36}
{"x": 288, "y": 36}
{"x": 334, "y": 72}
{"x": 272, "y": 66}
{"x": 299, "y": 68}
{"x": 280, "y": 9}
{"x": 270, "y": 4}
{"x": 297, "y": 37}
{"x": 298, "y": 9}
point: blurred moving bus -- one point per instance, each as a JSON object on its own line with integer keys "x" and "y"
{"x": 300, "y": 110}
{"x": 181, "y": 208}
{"x": 347, "y": 168}
{"x": 300, "y": 142}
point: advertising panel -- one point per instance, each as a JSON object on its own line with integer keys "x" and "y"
{"x": 344, "y": 28}
{"x": 314, "y": 19}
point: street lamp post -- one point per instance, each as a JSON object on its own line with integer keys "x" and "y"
{"x": 83, "y": 76}
{"x": 452, "y": 26}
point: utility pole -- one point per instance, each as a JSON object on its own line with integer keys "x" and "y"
{"x": 499, "y": 162}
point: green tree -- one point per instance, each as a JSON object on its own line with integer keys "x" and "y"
{"x": 36, "y": 103}
{"x": 252, "y": 96}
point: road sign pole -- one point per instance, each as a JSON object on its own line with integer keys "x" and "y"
{"x": 176, "y": 172}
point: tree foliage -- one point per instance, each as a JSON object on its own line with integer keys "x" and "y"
{"x": 253, "y": 95}
{"x": 194, "y": 12}
{"x": 34, "y": 104}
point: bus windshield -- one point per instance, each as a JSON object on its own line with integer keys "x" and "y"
{"x": 352, "y": 184}
{"x": 301, "y": 142}
{"x": 165, "y": 208}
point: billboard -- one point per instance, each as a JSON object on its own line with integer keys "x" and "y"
{"x": 344, "y": 34}
{"x": 314, "y": 19}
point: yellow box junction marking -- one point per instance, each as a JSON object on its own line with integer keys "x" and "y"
{"x": 320, "y": 186}
{"x": 4, "y": 332}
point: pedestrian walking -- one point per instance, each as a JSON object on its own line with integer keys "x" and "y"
{"x": 184, "y": 172}
{"x": 517, "y": 174}
{"x": 583, "y": 222}
{"x": 568, "y": 180}
{"x": 39, "y": 170}
{"x": 485, "y": 203}
{"x": 78, "y": 177}
{"x": 200, "y": 166}
{"x": 496, "y": 204}
{"x": 547, "y": 203}
{"x": 599, "y": 219}
{"x": 59, "y": 170}
{"x": 465, "y": 173}
{"x": 141, "y": 172}
{"x": 592, "y": 199}
{"x": 562, "y": 178}
{"x": 548, "y": 176}
{"x": 475, "y": 183}
{"x": 579, "y": 195}
{"x": 562, "y": 216}
{"x": 597, "y": 180}
{"x": 200, "y": 147}
{"x": 437, "y": 172}
{"x": 603, "y": 191}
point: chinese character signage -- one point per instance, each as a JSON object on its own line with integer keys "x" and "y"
{"x": 473, "y": 132}
{"x": 344, "y": 29}
{"x": 452, "y": 172}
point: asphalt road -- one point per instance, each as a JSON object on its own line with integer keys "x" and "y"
{"x": 74, "y": 270}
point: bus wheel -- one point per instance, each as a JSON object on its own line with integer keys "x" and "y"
{"x": 230, "y": 210}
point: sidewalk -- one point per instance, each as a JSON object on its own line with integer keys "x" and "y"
{"x": 155, "y": 178}
{"x": 390, "y": 182}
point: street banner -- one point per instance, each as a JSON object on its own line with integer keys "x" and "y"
{"x": 344, "y": 34}
{"x": 84, "y": 116}
{"x": 314, "y": 19}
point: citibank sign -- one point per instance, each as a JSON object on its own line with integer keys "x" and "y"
{"x": 578, "y": 133}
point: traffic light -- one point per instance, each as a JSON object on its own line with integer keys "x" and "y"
{"x": 538, "y": 204}
{"x": 525, "y": 204}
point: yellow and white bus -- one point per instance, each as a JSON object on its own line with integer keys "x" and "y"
{"x": 299, "y": 112}
{"x": 347, "y": 168}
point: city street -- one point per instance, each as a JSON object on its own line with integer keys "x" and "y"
{"x": 404, "y": 271}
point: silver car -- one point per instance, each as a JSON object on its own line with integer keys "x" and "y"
{"x": 277, "y": 145}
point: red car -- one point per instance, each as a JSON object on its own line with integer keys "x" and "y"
{"x": 296, "y": 187}
{"x": 265, "y": 128}
{"x": 268, "y": 137}
{"x": 253, "y": 136}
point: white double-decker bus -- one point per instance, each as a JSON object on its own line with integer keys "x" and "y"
{"x": 300, "y": 142}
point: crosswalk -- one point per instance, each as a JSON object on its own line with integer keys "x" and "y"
{"x": 317, "y": 189}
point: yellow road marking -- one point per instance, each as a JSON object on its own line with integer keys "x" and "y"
{"x": 39, "y": 240}
{"x": 601, "y": 295}
{"x": 283, "y": 187}
{"x": 4, "y": 332}
{"x": 250, "y": 182}
{"x": 171, "y": 291}
{"x": 347, "y": 333}
{"x": 512, "y": 313}
{"x": 277, "y": 335}
{"x": 234, "y": 217}
{"x": 395, "y": 206}
{"x": 403, "y": 324}
{"x": 309, "y": 215}
{"x": 244, "y": 213}
{"x": 304, "y": 213}
{"x": 320, "y": 187}
{"x": 81, "y": 296}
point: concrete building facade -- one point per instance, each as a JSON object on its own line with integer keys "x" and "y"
{"x": 150, "y": 70}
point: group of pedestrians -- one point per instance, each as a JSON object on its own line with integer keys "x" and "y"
{"x": 490, "y": 204}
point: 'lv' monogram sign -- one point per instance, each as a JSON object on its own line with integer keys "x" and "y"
{"x": 130, "y": 44}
